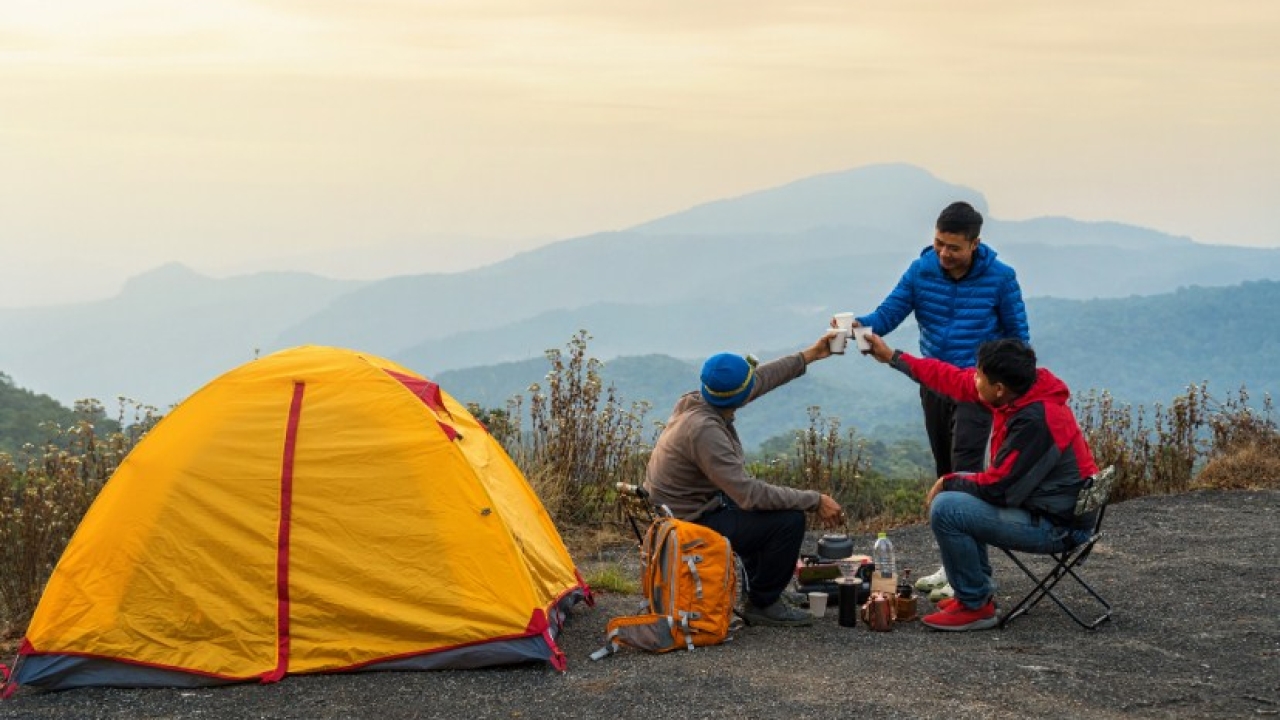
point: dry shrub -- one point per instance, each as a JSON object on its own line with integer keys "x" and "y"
{"x": 1153, "y": 456}
{"x": 837, "y": 463}
{"x": 1196, "y": 434}
{"x": 1248, "y": 466}
{"x": 550, "y": 487}
{"x": 1246, "y": 447}
{"x": 582, "y": 441}
{"x": 597, "y": 541}
{"x": 44, "y": 492}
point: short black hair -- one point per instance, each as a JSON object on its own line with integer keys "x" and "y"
{"x": 960, "y": 218}
{"x": 1010, "y": 362}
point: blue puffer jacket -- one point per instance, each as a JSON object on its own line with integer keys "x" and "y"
{"x": 955, "y": 316}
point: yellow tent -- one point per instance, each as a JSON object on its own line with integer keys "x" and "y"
{"x": 315, "y": 510}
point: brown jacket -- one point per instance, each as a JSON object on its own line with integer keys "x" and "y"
{"x": 699, "y": 453}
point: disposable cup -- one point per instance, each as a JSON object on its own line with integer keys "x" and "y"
{"x": 844, "y": 321}
{"x": 860, "y": 334}
{"x": 817, "y": 604}
{"x": 838, "y": 340}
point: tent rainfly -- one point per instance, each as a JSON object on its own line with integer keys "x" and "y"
{"x": 315, "y": 510}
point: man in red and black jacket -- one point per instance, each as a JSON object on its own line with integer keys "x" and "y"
{"x": 1024, "y": 497}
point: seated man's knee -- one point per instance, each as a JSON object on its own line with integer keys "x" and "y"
{"x": 945, "y": 505}
{"x": 787, "y": 527}
{"x": 795, "y": 521}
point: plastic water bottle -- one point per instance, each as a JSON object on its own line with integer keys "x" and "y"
{"x": 882, "y": 556}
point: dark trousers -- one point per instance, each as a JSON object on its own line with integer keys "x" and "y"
{"x": 958, "y": 432}
{"x": 768, "y": 541}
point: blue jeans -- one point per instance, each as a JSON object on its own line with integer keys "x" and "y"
{"x": 964, "y": 526}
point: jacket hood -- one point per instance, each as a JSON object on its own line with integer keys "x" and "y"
{"x": 1047, "y": 388}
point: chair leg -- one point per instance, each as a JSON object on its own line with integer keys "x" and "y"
{"x": 1064, "y": 566}
{"x": 1106, "y": 606}
{"x": 1028, "y": 600}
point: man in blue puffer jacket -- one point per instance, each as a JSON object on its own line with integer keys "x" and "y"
{"x": 962, "y": 296}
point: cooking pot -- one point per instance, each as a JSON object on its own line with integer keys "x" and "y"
{"x": 835, "y": 546}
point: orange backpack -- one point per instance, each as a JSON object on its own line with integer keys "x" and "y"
{"x": 690, "y": 585}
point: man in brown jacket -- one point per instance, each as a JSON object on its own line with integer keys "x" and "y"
{"x": 698, "y": 470}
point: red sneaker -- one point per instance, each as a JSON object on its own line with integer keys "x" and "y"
{"x": 946, "y": 603}
{"x": 958, "y": 618}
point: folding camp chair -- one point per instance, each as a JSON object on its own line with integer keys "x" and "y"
{"x": 635, "y": 505}
{"x": 1091, "y": 506}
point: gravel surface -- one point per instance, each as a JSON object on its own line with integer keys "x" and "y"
{"x": 1195, "y": 634}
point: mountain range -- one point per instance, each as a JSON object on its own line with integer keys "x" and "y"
{"x": 1136, "y": 311}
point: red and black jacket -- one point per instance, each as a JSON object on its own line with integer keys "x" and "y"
{"x": 1039, "y": 458}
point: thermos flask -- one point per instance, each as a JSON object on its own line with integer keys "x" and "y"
{"x": 849, "y": 601}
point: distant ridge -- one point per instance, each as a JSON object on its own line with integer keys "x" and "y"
{"x": 888, "y": 196}
{"x": 757, "y": 272}
{"x": 1141, "y": 350}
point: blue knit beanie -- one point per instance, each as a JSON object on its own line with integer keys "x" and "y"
{"x": 727, "y": 380}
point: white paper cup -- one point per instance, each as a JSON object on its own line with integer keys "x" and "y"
{"x": 860, "y": 335}
{"x": 817, "y": 604}
{"x": 844, "y": 321}
{"x": 838, "y": 339}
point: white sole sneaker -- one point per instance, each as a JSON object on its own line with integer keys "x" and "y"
{"x": 939, "y": 593}
{"x": 930, "y": 582}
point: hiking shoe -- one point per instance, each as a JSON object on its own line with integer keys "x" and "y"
{"x": 941, "y": 593}
{"x": 795, "y": 599}
{"x": 945, "y": 603}
{"x": 930, "y": 582}
{"x": 779, "y": 614}
{"x": 958, "y": 618}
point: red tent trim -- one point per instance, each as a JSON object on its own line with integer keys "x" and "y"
{"x": 282, "y": 537}
{"x": 430, "y": 395}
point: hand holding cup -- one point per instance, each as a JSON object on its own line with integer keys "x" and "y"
{"x": 838, "y": 340}
{"x": 880, "y": 350}
{"x": 862, "y": 335}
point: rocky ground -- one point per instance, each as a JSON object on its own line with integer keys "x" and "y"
{"x": 1195, "y": 634}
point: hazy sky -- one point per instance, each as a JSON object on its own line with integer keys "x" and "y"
{"x": 237, "y": 135}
